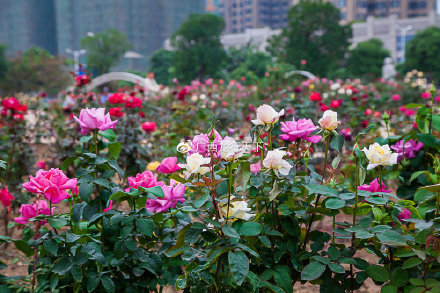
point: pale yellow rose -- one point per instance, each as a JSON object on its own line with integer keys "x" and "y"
{"x": 378, "y": 155}
{"x": 329, "y": 120}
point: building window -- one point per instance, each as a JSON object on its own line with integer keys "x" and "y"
{"x": 395, "y": 3}
{"x": 342, "y": 15}
{"x": 417, "y": 5}
{"x": 342, "y": 3}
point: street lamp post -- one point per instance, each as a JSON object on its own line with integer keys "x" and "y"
{"x": 403, "y": 32}
{"x": 76, "y": 54}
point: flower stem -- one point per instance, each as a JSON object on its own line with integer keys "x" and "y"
{"x": 229, "y": 167}
{"x": 356, "y": 199}
{"x": 95, "y": 139}
{"x": 438, "y": 204}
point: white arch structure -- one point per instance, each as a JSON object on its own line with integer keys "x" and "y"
{"x": 307, "y": 74}
{"x": 126, "y": 76}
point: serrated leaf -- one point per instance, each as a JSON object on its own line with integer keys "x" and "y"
{"x": 238, "y": 265}
{"x": 312, "y": 271}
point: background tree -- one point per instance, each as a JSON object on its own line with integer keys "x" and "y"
{"x": 35, "y": 71}
{"x": 366, "y": 60}
{"x": 315, "y": 35}
{"x": 161, "y": 63}
{"x": 423, "y": 51}
{"x": 3, "y": 62}
{"x": 104, "y": 50}
{"x": 199, "y": 52}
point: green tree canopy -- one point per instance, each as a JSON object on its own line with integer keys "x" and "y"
{"x": 315, "y": 35}
{"x": 366, "y": 60}
{"x": 199, "y": 52}
{"x": 104, "y": 50}
{"x": 423, "y": 51}
{"x": 161, "y": 63}
{"x": 35, "y": 70}
{"x": 3, "y": 62}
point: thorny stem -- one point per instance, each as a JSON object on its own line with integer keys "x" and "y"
{"x": 37, "y": 224}
{"x": 229, "y": 167}
{"x": 356, "y": 199}
{"x": 214, "y": 203}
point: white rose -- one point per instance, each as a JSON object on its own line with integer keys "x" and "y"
{"x": 380, "y": 156}
{"x": 349, "y": 92}
{"x": 341, "y": 91}
{"x": 230, "y": 150}
{"x": 274, "y": 160}
{"x": 267, "y": 115}
{"x": 325, "y": 95}
{"x": 329, "y": 120}
{"x": 237, "y": 209}
{"x": 194, "y": 165}
{"x": 335, "y": 86}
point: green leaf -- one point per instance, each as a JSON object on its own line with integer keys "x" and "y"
{"x": 51, "y": 245}
{"x": 23, "y": 247}
{"x": 238, "y": 265}
{"x": 378, "y": 273}
{"x": 62, "y": 266}
{"x": 399, "y": 277}
{"x": 417, "y": 174}
{"x": 334, "y": 203}
{"x": 67, "y": 162}
{"x": 333, "y": 253}
{"x": 337, "y": 142}
{"x": 389, "y": 288}
{"x": 250, "y": 229}
{"x": 229, "y": 231}
{"x": 312, "y": 271}
{"x": 85, "y": 139}
{"x": 432, "y": 188}
{"x": 336, "y": 268}
{"x": 283, "y": 279}
{"x": 114, "y": 149}
{"x": 92, "y": 282}
{"x": 108, "y": 284}
{"x": 275, "y": 191}
{"x": 321, "y": 189}
{"x": 155, "y": 190}
{"x": 411, "y": 262}
{"x": 376, "y": 200}
{"x": 115, "y": 166}
{"x": 109, "y": 134}
{"x": 243, "y": 175}
{"x": 57, "y": 223}
{"x": 85, "y": 190}
{"x": 198, "y": 203}
{"x": 391, "y": 238}
{"x": 145, "y": 226}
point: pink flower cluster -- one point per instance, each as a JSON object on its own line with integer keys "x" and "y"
{"x": 6, "y": 197}
{"x": 12, "y": 107}
{"x": 409, "y": 148}
{"x": 145, "y": 179}
{"x": 94, "y": 118}
{"x": 52, "y": 184}
{"x": 173, "y": 194}
{"x": 168, "y": 166}
{"x": 301, "y": 129}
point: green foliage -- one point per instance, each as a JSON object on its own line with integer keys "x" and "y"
{"x": 248, "y": 63}
{"x": 366, "y": 60}
{"x": 199, "y": 52}
{"x": 3, "y": 62}
{"x": 161, "y": 63}
{"x": 315, "y": 35}
{"x": 35, "y": 71}
{"x": 104, "y": 50}
{"x": 422, "y": 52}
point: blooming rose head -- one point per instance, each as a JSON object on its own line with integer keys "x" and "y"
{"x": 380, "y": 156}
{"x": 335, "y": 104}
{"x": 116, "y": 112}
{"x": 274, "y": 160}
{"x": 145, "y": 179}
{"x": 238, "y": 209}
{"x": 426, "y": 95}
{"x": 94, "y": 118}
{"x": 404, "y": 214}
{"x": 29, "y": 211}
{"x": 149, "y": 126}
{"x": 168, "y": 166}
{"x": 301, "y": 129}
{"x": 6, "y": 197}
{"x": 329, "y": 120}
{"x": 116, "y": 98}
{"x": 201, "y": 144}
{"x": 172, "y": 195}
{"x": 396, "y": 97}
{"x": 41, "y": 164}
{"x": 316, "y": 97}
{"x": 194, "y": 164}
{"x": 374, "y": 186}
{"x": 267, "y": 115}
{"x": 410, "y": 148}
{"x": 230, "y": 150}
{"x": 52, "y": 184}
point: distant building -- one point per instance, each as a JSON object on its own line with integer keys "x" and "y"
{"x": 27, "y": 23}
{"x": 393, "y": 32}
{"x": 240, "y": 15}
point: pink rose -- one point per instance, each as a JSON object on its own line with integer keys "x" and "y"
{"x": 32, "y": 210}
{"x": 300, "y": 129}
{"x": 411, "y": 148}
{"x": 426, "y": 95}
{"x": 52, "y": 184}
{"x": 405, "y": 214}
{"x": 6, "y": 197}
{"x": 173, "y": 195}
{"x": 168, "y": 165}
{"x": 200, "y": 144}
{"x": 41, "y": 164}
{"x": 255, "y": 168}
{"x": 94, "y": 118}
{"x": 396, "y": 97}
{"x": 145, "y": 179}
{"x": 374, "y": 186}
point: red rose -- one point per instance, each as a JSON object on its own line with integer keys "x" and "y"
{"x": 335, "y": 104}
{"x": 116, "y": 112}
{"x": 142, "y": 114}
{"x": 315, "y": 97}
{"x": 149, "y": 126}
